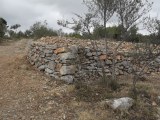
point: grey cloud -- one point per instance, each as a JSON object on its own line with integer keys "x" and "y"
{"x": 27, "y": 12}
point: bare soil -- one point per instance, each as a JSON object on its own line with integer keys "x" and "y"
{"x": 27, "y": 94}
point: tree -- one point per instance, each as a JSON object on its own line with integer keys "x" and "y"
{"x": 111, "y": 32}
{"x": 16, "y": 26}
{"x": 130, "y": 13}
{"x": 153, "y": 27}
{"x": 132, "y": 34}
{"x": 103, "y": 8}
{"x": 81, "y": 24}
{"x": 3, "y": 27}
{"x": 27, "y": 33}
{"x": 40, "y": 29}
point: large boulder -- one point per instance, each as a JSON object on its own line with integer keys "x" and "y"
{"x": 121, "y": 104}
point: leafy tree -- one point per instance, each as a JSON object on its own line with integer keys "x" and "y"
{"x": 109, "y": 32}
{"x": 16, "y": 26}
{"x": 20, "y": 34}
{"x": 40, "y": 29}
{"x": 27, "y": 33}
{"x": 3, "y": 27}
{"x": 133, "y": 35}
{"x": 103, "y": 8}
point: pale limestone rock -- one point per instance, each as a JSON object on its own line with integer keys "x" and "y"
{"x": 121, "y": 104}
{"x": 69, "y": 79}
{"x": 67, "y": 56}
{"x": 68, "y": 70}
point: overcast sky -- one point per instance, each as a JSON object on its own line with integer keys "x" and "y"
{"x": 27, "y": 12}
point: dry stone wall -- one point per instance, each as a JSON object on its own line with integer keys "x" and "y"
{"x": 69, "y": 61}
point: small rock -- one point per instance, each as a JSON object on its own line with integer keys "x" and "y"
{"x": 48, "y": 51}
{"x": 89, "y": 54}
{"x": 121, "y": 103}
{"x": 107, "y": 71}
{"x": 74, "y": 48}
{"x": 154, "y": 103}
{"x": 109, "y": 62}
{"x": 61, "y": 50}
{"x": 68, "y": 70}
{"x": 67, "y": 56}
{"x": 42, "y": 67}
{"x": 51, "y": 65}
{"x": 69, "y": 79}
{"x": 47, "y": 70}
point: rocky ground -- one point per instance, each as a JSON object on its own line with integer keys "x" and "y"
{"x": 27, "y": 94}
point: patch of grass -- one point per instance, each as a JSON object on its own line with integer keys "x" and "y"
{"x": 91, "y": 93}
{"x": 141, "y": 110}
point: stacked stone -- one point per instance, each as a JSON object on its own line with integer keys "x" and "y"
{"x": 93, "y": 60}
{"x": 58, "y": 62}
{"x": 67, "y": 62}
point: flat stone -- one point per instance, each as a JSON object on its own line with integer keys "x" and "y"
{"x": 74, "y": 49}
{"x": 51, "y": 65}
{"x": 108, "y": 62}
{"x": 89, "y": 54}
{"x": 55, "y": 76}
{"x": 68, "y": 70}
{"x": 48, "y": 55}
{"x": 69, "y": 79}
{"x": 61, "y": 50}
{"x": 58, "y": 67}
{"x": 48, "y": 51}
{"x": 126, "y": 64}
{"x": 157, "y": 60}
{"x": 107, "y": 71}
{"x": 67, "y": 56}
{"x": 52, "y": 47}
{"x": 42, "y": 67}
